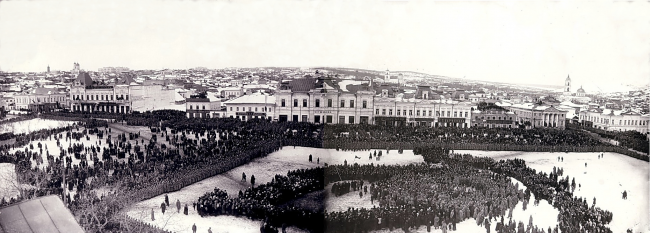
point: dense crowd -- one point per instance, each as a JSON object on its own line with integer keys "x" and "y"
{"x": 631, "y": 139}
{"x": 448, "y": 189}
{"x": 267, "y": 201}
{"x": 344, "y": 187}
{"x": 437, "y": 196}
{"x": 340, "y": 134}
{"x": 127, "y": 163}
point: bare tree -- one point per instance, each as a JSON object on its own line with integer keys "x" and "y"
{"x": 9, "y": 182}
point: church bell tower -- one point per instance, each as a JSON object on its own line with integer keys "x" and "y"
{"x": 567, "y": 85}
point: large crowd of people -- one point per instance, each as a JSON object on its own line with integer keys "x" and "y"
{"x": 448, "y": 189}
{"x": 178, "y": 152}
{"x": 575, "y": 213}
{"x": 421, "y": 195}
{"x": 631, "y": 139}
{"x": 267, "y": 202}
{"x": 344, "y": 187}
{"x": 391, "y": 134}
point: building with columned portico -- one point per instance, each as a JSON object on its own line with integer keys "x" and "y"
{"x": 539, "y": 116}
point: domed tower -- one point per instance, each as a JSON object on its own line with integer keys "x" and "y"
{"x": 580, "y": 92}
{"x": 567, "y": 85}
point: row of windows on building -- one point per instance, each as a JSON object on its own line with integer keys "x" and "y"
{"x": 318, "y": 105}
{"x": 494, "y": 125}
{"x": 620, "y": 122}
{"x": 243, "y": 118}
{"x": 493, "y": 118}
{"x": 101, "y": 97}
{"x": 38, "y": 99}
{"x": 327, "y": 119}
{"x": 113, "y": 109}
{"x": 423, "y": 113}
{"x": 527, "y": 113}
{"x": 203, "y": 115}
{"x": 197, "y": 107}
{"x": 250, "y": 109}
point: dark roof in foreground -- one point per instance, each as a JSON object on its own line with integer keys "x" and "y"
{"x": 43, "y": 214}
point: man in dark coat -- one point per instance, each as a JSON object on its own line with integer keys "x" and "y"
{"x": 162, "y": 207}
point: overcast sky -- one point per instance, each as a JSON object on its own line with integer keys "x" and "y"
{"x": 597, "y": 43}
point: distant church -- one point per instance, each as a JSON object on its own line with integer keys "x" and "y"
{"x": 579, "y": 96}
{"x": 567, "y": 89}
{"x": 76, "y": 69}
{"x": 399, "y": 79}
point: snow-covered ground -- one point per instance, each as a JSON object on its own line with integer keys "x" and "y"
{"x": 631, "y": 175}
{"x": 544, "y": 215}
{"x": 348, "y": 200}
{"x": 280, "y": 162}
{"x": 36, "y": 124}
{"x": 605, "y": 179}
{"x": 49, "y": 144}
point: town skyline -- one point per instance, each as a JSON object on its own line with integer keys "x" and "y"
{"x": 600, "y": 44}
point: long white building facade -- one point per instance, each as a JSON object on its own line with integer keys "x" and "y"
{"x": 323, "y": 100}
{"x": 615, "y": 120}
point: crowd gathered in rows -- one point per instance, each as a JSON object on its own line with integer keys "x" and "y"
{"x": 439, "y": 194}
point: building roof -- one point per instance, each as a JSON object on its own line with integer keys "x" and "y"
{"x": 84, "y": 79}
{"x": 42, "y": 214}
{"x": 44, "y": 91}
{"x": 230, "y": 89}
{"x": 432, "y": 95}
{"x": 255, "y": 98}
{"x": 536, "y": 107}
{"x": 125, "y": 79}
{"x": 197, "y": 100}
{"x": 178, "y": 97}
{"x": 457, "y": 93}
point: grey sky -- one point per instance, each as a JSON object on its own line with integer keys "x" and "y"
{"x": 597, "y": 43}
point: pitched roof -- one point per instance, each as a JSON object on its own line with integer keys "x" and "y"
{"x": 302, "y": 84}
{"x": 126, "y": 79}
{"x": 354, "y": 88}
{"x": 42, "y": 214}
{"x": 84, "y": 79}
